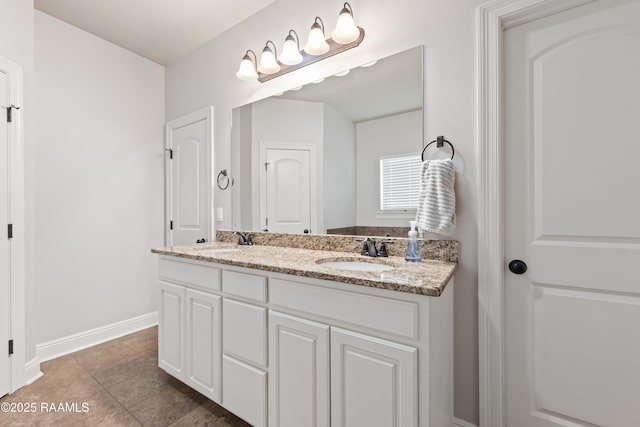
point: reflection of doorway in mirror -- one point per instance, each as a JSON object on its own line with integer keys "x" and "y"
{"x": 287, "y": 189}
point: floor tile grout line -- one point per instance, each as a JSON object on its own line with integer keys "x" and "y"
{"x": 107, "y": 390}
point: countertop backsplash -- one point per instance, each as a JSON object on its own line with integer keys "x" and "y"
{"x": 441, "y": 250}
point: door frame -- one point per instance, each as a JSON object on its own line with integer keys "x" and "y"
{"x": 17, "y": 331}
{"x": 313, "y": 177}
{"x": 202, "y": 114}
{"x": 492, "y": 19}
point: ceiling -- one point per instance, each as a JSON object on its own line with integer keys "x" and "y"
{"x": 160, "y": 30}
{"x": 391, "y": 86}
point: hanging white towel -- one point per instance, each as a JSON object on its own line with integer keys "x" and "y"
{"x": 437, "y": 199}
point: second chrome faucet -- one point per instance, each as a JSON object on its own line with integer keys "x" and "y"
{"x": 369, "y": 247}
{"x": 244, "y": 240}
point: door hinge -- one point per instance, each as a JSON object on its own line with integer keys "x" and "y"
{"x": 265, "y": 166}
{"x": 10, "y": 231}
{"x": 170, "y": 225}
{"x": 10, "y": 108}
{"x": 10, "y": 347}
{"x": 266, "y": 222}
{"x": 170, "y": 153}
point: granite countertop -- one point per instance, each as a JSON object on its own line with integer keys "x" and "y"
{"x": 428, "y": 277}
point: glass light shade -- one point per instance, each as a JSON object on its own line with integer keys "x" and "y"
{"x": 268, "y": 62}
{"x": 346, "y": 30}
{"x": 247, "y": 70}
{"x": 316, "y": 44}
{"x": 290, "y": 54}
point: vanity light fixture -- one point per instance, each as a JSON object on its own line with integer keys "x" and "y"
{"x": 247, "y": 70}
{"x": 345, "y": 36}
{"x": 291, "y": 50}
{"x": 346, "y": 30}
{"x": 268, "y": 62}
{"x": 316, "y": 44}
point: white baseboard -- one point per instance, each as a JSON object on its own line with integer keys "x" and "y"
{"x": 457, "y": 422}
{"x": 65, "y": 345}
{"x": 32, "y": 371}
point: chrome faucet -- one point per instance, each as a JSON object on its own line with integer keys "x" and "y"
{"x": 244, "y": 240}
{"x": 368, "y": 247}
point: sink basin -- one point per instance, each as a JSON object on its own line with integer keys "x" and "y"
{"x": 355, "y": 265}
{"x": 217, "y": 250}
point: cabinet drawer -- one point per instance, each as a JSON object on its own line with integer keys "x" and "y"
{"x": 245, "y": 331}
{"x": 245, "y": 285}
{"x": 373, "y": 312}
{"x": 245, "y": 391}
{"x": 206, "y": 278}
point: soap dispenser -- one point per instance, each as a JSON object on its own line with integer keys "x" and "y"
{"x": 413, "y": 250}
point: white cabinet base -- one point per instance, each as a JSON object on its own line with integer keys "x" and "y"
{"x": 289, "y": 351}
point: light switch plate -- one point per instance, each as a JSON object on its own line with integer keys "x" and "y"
{"x": 219, "y": 214}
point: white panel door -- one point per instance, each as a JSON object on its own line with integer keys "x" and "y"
{"x": 4, "y": 241}
{"x": 572, "y": 149}
{"x": 189, "y": 204}
{"x": 374, "y": 383}
{"x": 287, "y": 202}
{"x": 204, "y": 343}
{"x": 299, "y": 378}
{"x": 171, "y": 330}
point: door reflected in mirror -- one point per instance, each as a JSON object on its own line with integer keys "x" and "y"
{"x": 310, "y": 160}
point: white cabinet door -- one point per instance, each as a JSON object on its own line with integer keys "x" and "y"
{"x": 171, "y": 330}
{"x": 245, "y": 391}
{"x": 204, "y": 343}
{"x": 374, "y": 383}
{"x": 299, "y": 361}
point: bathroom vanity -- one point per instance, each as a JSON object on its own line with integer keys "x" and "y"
{"x": 280, "y": 337}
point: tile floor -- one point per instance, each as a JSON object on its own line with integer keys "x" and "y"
{"x": 123, "y": 386}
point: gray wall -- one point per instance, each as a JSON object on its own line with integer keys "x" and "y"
{"x": 98, "y": 180}
{"x": 339, "y": 174}
{"x": 446, "y": 28}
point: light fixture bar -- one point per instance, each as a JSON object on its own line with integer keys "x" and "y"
{"x": 334, "y": 49}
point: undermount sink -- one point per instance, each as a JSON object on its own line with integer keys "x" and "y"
{"x": 355, "y": 265}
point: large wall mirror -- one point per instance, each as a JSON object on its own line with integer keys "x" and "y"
{"x": 337, "y": 156}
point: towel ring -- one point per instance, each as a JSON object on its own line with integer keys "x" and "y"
{"x": 229, "y": 180}
{"x": 439, "y": 143}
